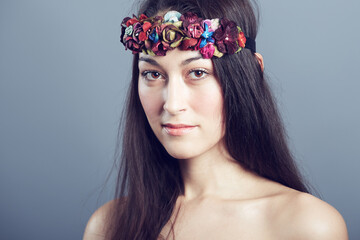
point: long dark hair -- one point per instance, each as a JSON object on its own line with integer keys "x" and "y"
{"x": 149, "y": 179}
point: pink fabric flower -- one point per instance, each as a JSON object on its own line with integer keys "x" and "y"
{"x": 213, "y": 24}
{"x": 207, "y": 51}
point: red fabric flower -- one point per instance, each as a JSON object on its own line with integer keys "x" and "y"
{"x": 190, "y": 44}
{"x": 146, "y": 26}
{"x": 142, "y": 36}
{"x": 159, "y": 49}
{"x": 132, "y": 21}
{"x": 142, "y": 17}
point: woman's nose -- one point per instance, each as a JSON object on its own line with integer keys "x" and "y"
{"x": 175, "y": 96}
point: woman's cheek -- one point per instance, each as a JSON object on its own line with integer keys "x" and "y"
{"x": 151, "y": 102}
{"x": 209, "y": 101}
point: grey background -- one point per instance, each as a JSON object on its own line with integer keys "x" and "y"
{"x": 63, "y": 76}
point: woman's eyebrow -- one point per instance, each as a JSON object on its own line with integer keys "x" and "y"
{"x": 189, "y": 60}
{"x": 149, "y": 60}
{"x": 155, "y": 63}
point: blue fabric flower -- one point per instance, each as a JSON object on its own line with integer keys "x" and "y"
{"x": 154, "y": 36}
{"x": 206, "y": 36}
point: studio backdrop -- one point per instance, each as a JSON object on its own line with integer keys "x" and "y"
{"x": 63, "y": 80}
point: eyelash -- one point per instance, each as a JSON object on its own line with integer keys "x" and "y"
{"x": 203, "y": 72}
{"x": 145, "y": 75}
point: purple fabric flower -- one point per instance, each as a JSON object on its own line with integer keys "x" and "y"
{"x": 226, "y": 37}
{"x": 131, "y": 44}
{"x": 136, "y": 32}
{"x": 192, "y": 25}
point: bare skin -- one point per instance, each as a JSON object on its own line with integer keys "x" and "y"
{"x": 262, "y": 210}
{"x": 221, "y": 200}
{"x": 276, "y": 213}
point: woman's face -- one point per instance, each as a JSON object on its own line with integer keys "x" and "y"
{"x": 183, "y": 102}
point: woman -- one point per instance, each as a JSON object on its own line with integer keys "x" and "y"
{"x": 204, "y": 150}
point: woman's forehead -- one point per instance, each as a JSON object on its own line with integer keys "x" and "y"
{"x": 173, "y": 57}
{"x": 175, "y": 52}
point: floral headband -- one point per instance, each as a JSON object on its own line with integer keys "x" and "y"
{"x": 156, "y": 35}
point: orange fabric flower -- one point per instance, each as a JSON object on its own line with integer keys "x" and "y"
{"x": 241, "y": 39}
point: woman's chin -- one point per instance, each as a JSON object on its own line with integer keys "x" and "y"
{"x": 181, "y": 153}
{"x": 190, "y": 149}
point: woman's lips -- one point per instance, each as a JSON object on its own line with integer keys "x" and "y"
{"x": 178, "y": 129}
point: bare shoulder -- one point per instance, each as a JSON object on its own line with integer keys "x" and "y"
{"x": 96, "y": 227}
{"x": 308, "y": 217}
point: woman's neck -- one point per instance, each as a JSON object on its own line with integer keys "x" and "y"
{"x": 216, "y": 174}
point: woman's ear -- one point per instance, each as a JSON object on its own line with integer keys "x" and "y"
{"x": 260, "y": 60}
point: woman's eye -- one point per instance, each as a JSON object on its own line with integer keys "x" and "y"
{"x": 197, "y": 74}
{"x": 151, "y": 75}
